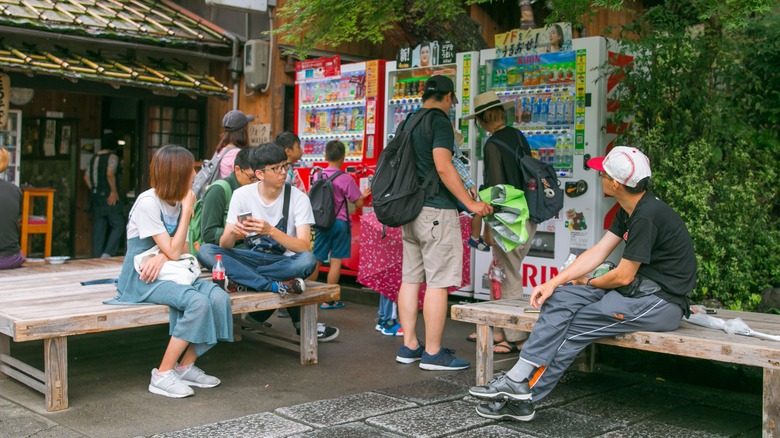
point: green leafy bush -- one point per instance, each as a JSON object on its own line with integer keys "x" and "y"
{"x": 704, "y": 103}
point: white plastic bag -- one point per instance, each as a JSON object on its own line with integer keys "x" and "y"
{"x": 183, "y": 271}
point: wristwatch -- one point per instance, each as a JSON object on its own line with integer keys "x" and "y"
{"x": 588, "y": 282}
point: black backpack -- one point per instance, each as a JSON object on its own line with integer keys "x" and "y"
{"x": 398, "y": 194}
{"x": 323, "y": 201}
{"x": 546, "y": 200}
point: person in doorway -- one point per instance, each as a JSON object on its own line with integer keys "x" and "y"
{"x": 649, "y": 290}
{"x": 279, "y": 241}
{"x": 101, "y": 177}
{"x": 292, "y": 147}
{"x": 335, "y": 243}
{"x": 432, "y": 247}
{"x": 11, "y": 199}
{"x": 201, "y": 313}
{"x": 501, "y": 168}
{"x": 235, "y": 138}
{"x": 215, "y": 207}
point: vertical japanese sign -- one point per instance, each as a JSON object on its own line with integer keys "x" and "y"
{"x": 465, "y": 97}
{"x": 579, "y": 103}
{"x": 372, "y": 79}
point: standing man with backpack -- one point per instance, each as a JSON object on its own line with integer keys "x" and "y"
{"x": 432, "y": 247}
{"x": 502, "y": 168}
{"x": 330, "y": 195}
{"x": 104, "y": 203}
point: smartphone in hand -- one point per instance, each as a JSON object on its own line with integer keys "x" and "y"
{"x": 244, "y": 216}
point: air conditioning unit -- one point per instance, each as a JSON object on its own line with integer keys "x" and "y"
{"x": 256, "y": 54}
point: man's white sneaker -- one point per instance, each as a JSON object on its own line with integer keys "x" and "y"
{"x": 169, "y": 384}
{"x": 194, "y": 376}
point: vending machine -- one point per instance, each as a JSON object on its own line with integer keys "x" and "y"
{"x": 561, "y": 105}
{"x": 404, "y": 89}
{"x": 346, "y": 103}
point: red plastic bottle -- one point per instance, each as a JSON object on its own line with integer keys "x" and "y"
{"x": 218, "y": 273}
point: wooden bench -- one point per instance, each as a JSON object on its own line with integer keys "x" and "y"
{"x": 689, "y": 340}
{"x": 47, "y": 302}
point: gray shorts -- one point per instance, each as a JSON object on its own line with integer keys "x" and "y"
{"x": 433, "y": 249}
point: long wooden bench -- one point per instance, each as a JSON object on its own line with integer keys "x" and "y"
{"x": 689, "y": 340}
{"x": 47, "y": 302}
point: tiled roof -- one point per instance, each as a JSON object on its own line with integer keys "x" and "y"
{"x": 157, "y": 22}
{"x": 153, "y": 73}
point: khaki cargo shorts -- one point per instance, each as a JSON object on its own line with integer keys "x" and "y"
{"x": 433, "y": 249}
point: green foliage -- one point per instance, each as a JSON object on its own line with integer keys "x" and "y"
{"x": 704, "y": 106}
{"x": 311, "y": 23}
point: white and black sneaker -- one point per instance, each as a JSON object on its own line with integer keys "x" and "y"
{"x": 507, "y": 410}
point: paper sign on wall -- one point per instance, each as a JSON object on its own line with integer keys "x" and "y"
{"x": 259, "y": 133}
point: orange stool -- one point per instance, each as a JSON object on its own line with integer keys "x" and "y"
{"x": 37, "y": 227}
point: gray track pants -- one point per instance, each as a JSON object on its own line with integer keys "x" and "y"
{"x": 575, "y": 316}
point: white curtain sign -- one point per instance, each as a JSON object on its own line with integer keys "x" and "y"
{"x": 5, "y": 96}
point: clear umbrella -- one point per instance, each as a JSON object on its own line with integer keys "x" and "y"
{"x": 733, "y": 326}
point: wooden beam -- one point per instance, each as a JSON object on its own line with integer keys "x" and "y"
{"x": 771, "y": 403}
{"x": 309, "y": 334}
{"x": 5, "y": 350}
{"x": 55, "y": 356}
{"x": 484, "y": 354}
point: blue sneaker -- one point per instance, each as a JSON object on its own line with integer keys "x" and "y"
{"x": 380, "y": 324}
{"x": 395, "y": 330}
{"x": 444, "y": 360}
{"x": 406, "y": 355}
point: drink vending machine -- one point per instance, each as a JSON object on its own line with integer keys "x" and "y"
{"x": 561, "y": 107}
{"x": 346, "y": 103}
{"x": 404, "y": 89}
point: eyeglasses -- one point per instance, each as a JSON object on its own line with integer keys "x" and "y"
{"x": 250, "y": 175}
{"x": 604, "y": 175}
{"x": 282, "y": 168}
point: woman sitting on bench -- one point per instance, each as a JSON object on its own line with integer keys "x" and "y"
{"x": 200, "y": 313}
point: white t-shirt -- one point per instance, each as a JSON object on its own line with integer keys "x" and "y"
{"x": 247, "y": 199}
{"x": 151, "y": 216}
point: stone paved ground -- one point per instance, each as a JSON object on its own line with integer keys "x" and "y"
{"x": 603, "y": 404}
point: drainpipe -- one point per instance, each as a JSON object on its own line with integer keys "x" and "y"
{"x": 235, "y": 67}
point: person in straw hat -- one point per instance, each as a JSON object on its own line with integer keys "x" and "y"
{"x": 501, "y": 168}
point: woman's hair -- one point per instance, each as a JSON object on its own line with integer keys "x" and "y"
{"x": 238, "y": 138}
{"x": 492, "y": 116}
{"x": 3, "y": 159}
{"x": 171, "y": 172}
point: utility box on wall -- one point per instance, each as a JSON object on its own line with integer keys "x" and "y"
{"x": 256, "y": 54}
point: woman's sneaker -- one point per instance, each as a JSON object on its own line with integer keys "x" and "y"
{"x": 194, "y": 376}
{"x": 169, "y": 384}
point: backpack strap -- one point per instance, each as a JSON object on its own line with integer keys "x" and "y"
{"x": 332, "y": 178}
{"x": 285, "y": 207}
{"x": 228, "y": 191}
{"x": 422, "y": 114}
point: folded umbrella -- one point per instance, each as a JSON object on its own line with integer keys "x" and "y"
{"x": 510, "y": 211}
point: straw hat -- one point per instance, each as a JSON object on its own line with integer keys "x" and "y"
{"x": 485, "y": 101}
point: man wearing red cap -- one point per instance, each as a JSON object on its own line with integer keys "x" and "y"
{"x": 647, "y": 291}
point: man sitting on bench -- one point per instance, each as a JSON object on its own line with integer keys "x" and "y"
{"x": 647, "y": 291}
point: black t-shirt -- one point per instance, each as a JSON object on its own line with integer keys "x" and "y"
{"x": 500, "y": 164}
{"x": 11, "y": 200}
{"x": 656, "y": 236}
{"x": 439, "y": 135}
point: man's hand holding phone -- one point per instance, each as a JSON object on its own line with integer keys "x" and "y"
{"x": 242, "y": 222}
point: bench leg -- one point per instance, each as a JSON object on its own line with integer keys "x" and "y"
{"x": 484, "y": 354}
{"x": 771, "y": 403}
{"x": 55, "y": 356}
{"x": 5, "y": 348}
{"x": 309, "y": 334}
